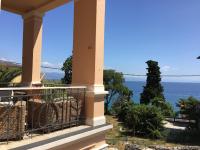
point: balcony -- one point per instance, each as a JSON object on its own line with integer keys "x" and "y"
{"x": 36, "y": 116}
{"x": 56, "y": 117}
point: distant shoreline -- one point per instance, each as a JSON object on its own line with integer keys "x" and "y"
{"x": 167, "y": 82}
{"x": 173, "y": 91}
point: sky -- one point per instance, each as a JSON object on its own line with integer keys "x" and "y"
{"x": 167, "y": 31}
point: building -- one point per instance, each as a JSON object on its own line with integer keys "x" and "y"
{"x": 87, "y": 83}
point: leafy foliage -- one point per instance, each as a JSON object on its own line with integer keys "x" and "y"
{"x": 67, "y": 68}
{"x": 190, "y": 108}
{"x": 165, "y": 107}
{"x": 153, "y": 86}
{"x": 144, "y": 120}
{"x": 114, "y": 83}
{"x": 7, "y": 74}
{"x": 120, "y": 108}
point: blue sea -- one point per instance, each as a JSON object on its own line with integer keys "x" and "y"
{"x": 173, "y": 91}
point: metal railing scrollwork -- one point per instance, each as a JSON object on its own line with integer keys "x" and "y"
{"x": 32, "y": 111}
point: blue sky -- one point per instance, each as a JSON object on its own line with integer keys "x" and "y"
{"x": 167, "y": 31}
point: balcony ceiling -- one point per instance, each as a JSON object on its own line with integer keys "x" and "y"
{"x": 24, "y": 6}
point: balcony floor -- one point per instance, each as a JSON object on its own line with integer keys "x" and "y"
{"x": 55, "y": 139}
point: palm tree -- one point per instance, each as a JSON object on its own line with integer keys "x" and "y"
{"x": 8, "y": 74}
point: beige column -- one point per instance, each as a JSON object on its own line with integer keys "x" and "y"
{"x": 32, "y": 45}
{"x": 88, "y": 56}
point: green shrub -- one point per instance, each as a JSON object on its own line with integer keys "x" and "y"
{"x": 144, "y": 120}
{"x": 167, "y": 110}
{"x": 155, "y": 133}
{"x": 190, "y": 109}
{"x": 165, "y": 107}
{"x": 121, "y": 107}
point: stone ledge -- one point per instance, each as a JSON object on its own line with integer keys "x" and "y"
{"x": 68, "y": 138}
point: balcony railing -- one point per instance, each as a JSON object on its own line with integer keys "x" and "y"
{"x": 39, "y": 110}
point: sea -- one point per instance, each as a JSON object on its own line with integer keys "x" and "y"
{"x": 173, "y": 91}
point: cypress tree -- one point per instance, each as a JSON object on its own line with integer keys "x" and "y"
{"x": 153, "y": 86}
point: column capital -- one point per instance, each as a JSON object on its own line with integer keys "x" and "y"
{"x": 32, "y": 14}
{"x": 96, "y": 91}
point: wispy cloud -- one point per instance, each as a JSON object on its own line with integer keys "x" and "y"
{"x": 60, "y": 65}
{"x": 166, "y": 68}
{"x": 47, "y": 64}
{"x": 56, "y": 66}
{"x": 5, "y": 59}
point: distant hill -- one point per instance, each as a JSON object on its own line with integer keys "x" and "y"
{"x": 48, "y": 75}
{"x": 4, "y": 63}
{"x": 53, "y": 75}
{"x": 135, "y": 78}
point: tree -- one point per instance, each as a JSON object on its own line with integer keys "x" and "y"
{"x": 6, "y": 75}
{"x": 190, "y": 108}
{"x": 144, "y": 120}
{"x": 67, "y": 68}
{"x": 114, "y": 83}
{"x": 126, "y": 93}
{"x": 153, "y": 86}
